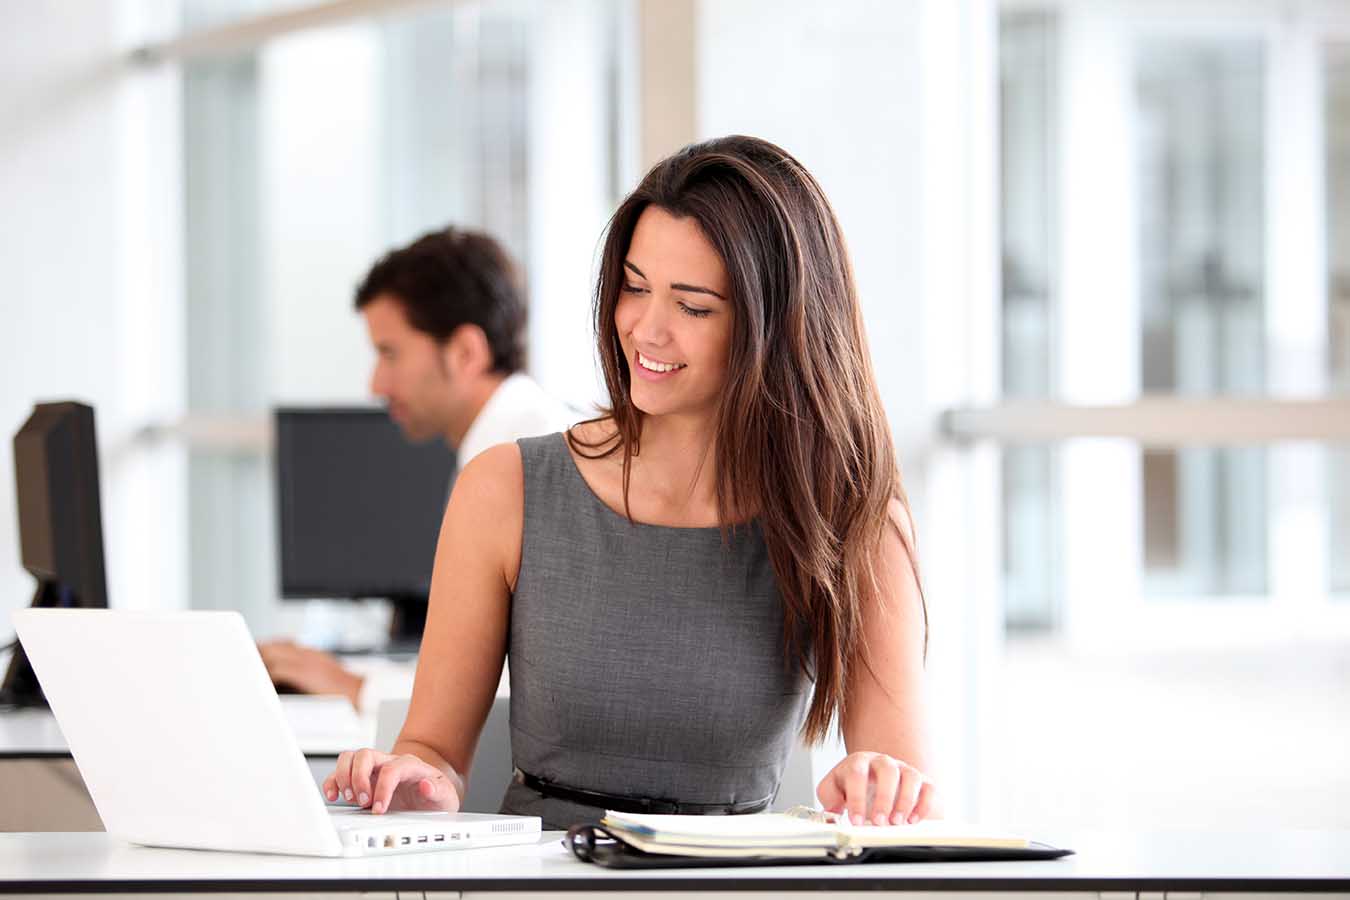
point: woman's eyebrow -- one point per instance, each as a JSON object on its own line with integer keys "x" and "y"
{"x": 695, "y": 289}
{"x": 678, "y": 286}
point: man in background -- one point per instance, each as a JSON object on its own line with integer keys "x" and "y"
{"x": 446, "y": 316}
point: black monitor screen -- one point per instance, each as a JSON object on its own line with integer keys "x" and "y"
{"x": 360, "y": 506}
{"x": 56, "y": 486}
{"x": 60, "y": 523}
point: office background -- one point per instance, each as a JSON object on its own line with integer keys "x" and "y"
{"x": 1052, "y": 207}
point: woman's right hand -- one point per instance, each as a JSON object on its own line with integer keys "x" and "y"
{"x": 383, "y": 782}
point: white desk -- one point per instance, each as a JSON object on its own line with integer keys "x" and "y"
{"x": 30, "y": 734}
{"x": 1180, "y": 865}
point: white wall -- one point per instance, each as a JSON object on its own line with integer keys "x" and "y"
{"x": 569, "y": 206}
{"x": 89, "y": 250}
{"x": 320, "y": 118}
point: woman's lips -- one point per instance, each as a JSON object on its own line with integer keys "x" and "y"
{"x": 647, "y": 374}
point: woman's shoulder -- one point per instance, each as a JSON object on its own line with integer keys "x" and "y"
{"x": 593, "y": 451}
{"x": 491, "y": 479}
{"x": 593, "y": 435}
{"x": 486, "y": 511}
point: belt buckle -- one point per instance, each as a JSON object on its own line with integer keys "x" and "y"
{"x": 660, "y": 807}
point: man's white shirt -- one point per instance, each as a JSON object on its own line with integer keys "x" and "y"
{"x": 518, "y": 408}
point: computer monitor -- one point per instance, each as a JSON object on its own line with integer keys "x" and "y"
{"x": 60, "y": 523}
{"x": 360, "y": 510}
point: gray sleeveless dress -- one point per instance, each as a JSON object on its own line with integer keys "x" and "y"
{"x": 646, "y": 661}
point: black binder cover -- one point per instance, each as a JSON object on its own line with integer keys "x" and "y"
{"x": 597, "y": 844}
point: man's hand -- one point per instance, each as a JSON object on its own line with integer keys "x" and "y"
{"x": 309, "y": 671}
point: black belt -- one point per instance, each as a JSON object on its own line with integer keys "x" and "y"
{"x": 620, "y": 803}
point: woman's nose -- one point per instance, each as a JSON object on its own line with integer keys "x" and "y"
{"x": 652, "y": 326}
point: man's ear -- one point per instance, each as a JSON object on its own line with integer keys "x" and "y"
{"x": 467, "y": 352}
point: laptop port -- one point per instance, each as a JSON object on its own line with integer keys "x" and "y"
{"x": 421, "y": 839}
{"x": 370, "y": 842}
{"x": 440, "y": 838}
{"x": 389, "y": 840}
{"x": 407, "y": 841}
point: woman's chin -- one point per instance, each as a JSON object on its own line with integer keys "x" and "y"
{"x": 666, "y": 407}
{"x": 648, "y": 407}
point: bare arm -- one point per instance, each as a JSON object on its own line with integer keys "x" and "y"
{"x": 463, "y": 646}
{"x": 882, "y": 778}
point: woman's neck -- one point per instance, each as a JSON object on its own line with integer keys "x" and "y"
{"x": 678, "y": 461}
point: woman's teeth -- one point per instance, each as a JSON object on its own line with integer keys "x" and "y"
{"x": 652, "y": 365}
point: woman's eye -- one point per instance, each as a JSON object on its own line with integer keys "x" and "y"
{"x": 695, "y": 311}
{"x": 631, "y": 288}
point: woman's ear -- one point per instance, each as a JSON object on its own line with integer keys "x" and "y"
{"x": 467, "y": 352}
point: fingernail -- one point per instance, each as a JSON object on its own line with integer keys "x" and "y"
{"x": 857, "y": 818}
{"x": 364, "y": 798}
{"x": 377, "y": 808}
{"x": 331, "y": 795}
{"x": 348, "y": 794}
{"x": 913, "y": 817}
{"x": 897, "y": 818}
{"x": 879, "y": 819}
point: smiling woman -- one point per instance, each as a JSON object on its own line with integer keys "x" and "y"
{"x": 795, "y": 428}
{"x": 676, "y": 344}
{"x": 720, "y": 561}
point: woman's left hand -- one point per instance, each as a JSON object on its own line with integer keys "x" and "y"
{"x": 877, "y": 789}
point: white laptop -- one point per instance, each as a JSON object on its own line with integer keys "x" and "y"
{"x": 181, "y": 740}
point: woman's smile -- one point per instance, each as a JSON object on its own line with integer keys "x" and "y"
{"x": 654, "y": 369}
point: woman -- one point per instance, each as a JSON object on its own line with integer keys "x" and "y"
{"x": 724, "y": 552}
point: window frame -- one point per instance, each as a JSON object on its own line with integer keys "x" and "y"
{"x": 1100, "y": 424}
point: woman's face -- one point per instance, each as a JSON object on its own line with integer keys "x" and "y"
{"x": 674, "y": 316}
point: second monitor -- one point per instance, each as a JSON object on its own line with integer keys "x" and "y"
{"x": 360, "y": 510}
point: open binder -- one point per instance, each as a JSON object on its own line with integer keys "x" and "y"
{"x": 801, "y": 836}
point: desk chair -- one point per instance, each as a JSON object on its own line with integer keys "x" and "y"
{"x": 798, "y": 787}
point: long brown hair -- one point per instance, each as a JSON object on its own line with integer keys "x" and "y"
{"x": 801, "y": 436}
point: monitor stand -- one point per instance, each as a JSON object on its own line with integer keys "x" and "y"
{"x": 20, "y": 687}
{"x": 410, "y": 619}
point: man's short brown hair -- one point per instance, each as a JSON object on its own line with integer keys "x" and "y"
{"x": 455, "y": 277}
